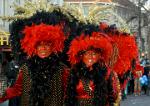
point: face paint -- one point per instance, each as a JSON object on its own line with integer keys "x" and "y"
{"x": 44, "y": 49}
{"x": 90, "y": 57}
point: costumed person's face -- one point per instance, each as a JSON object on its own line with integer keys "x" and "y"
{"x": 44, "y": 49}
{"x": 90, "y": 57}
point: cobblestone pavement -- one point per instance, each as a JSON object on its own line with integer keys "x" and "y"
{"x": 132, "y": 100}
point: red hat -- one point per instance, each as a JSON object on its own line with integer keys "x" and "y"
{"x": 85, "y": 42}
{"x": 36, "y": 33}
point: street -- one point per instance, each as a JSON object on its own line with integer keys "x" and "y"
{"x": 4, "y": 104}
{"x": 131, "y": 100}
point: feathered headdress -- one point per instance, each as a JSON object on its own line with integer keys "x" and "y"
{"x": 126, "y": 45}
{"x": 36, "y": 33}
{"x": 127, "y": 51}
{"x": 25, "y": 33}
{"x": 85, "y": 42}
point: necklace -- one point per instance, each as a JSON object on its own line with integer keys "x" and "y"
{"x": 86, "y": 86}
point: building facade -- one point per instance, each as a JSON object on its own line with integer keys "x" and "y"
{"x": 139, "y": 22}
{"x": 130, "y": 12}
{"x": 136, "y": 19}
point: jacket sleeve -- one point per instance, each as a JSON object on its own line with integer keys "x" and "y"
{"x": 15, "y": 90}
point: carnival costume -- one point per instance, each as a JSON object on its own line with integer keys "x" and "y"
{"x": 137, "y": 74}
{"x": 96, "y": 87}
{"x": 127, "y": 52}
{"x": 40, "y": 81}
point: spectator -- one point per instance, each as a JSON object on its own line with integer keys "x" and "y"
{"x": 138, "y": 72}
{"x": 137, "y": 85}
{"x": 144, "y": 82}
{"x": 146, "y": 69}
{"x": 0, "y": 68}
{"x": 148, "y": 87}
{"x": 144, "y": 62}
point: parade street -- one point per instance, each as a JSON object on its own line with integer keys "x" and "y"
{"x": 4, "y": 104}
{"x": 131, "y": 100}
{"x": 142, "y": 100}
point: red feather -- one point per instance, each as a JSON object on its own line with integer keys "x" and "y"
{"x": 127, "y": 52}
{"x": 37, "y": 33}
{"x": 84, "y": 42}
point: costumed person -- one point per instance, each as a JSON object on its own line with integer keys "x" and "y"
{"x": 41, "y": 39}
{"x": 105, "y": 28}
{"x": 148, "y": 89}
{"x": 138, "y": 72}
{"x": 127, "y": 52}
{"x": 91, "y": 82}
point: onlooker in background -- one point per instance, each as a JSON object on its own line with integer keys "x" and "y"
{"x": 146, "y": 72}
{"x": 148, "y": 85}
{"x": 137, "y": 84}
{"x": 145, "y": 61}
{"x": 138, "y": 72}
{"x": 0, "y": 68}
{"x": 146, "y": 68}
{"x": 144, "y": 83}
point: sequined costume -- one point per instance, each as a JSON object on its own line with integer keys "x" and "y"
{"x": 40, "y": 81}
{"x": 137, "y": 73}
{"x": 23, "y": 85}
{"x": 98, "y": 86}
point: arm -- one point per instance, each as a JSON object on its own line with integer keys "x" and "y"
{"x": 15, "y": 90}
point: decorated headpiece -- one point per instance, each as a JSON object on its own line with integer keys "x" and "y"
{"x": 127, "y": 51}
{"x": 48, "y": 33}
{"x": 96, "y": 41}
{"x": 126, "y": 45}
{"x": 53, "y": 26}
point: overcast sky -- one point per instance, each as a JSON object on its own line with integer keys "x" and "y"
{"x": 147, "y": 5}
